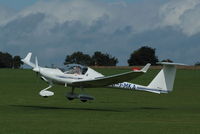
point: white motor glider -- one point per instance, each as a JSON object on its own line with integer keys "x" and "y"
{"x": 78, "y": 76}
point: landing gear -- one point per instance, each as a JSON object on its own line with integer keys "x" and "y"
{"x": 70, "y": 99}
{"x": 45, "y": 93}
{"x": 82, "y": 97}
{"x": 71, "y": 96}
{"x": 85, "y": 97}
{"x": 84, "y": 100}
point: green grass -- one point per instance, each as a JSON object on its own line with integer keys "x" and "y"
{"x": 23, "y": 111}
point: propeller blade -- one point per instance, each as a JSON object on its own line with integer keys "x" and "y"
{"x": 36, "y": 62}
{"x": 36, "y": 68}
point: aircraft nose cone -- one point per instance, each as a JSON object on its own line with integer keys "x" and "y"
{"x": 36, "y": 69}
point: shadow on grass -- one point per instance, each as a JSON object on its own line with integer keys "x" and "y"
{"x": 64, "y": 108}
{"x": 88, "y": 109}
{"x": 152, "y": 108}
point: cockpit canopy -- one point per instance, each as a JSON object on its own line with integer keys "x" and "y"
{"x": 74, "y": 69}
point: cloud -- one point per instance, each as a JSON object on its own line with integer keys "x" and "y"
{"x": 181, "y": 14}
{"x": 5, "y": 14}
{"x": 190, "y": 21}
{"x": 52, "y": 29}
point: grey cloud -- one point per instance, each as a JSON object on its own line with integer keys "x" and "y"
{"x": 54, "y": 29}
{"x": 5, "y": 14}
{"x": 190, "y": 21}
{"x": 181, "y": 14}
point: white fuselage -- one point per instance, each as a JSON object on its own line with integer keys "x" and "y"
{"x": 84, "y": 77}
{"x": 57, "y": 76}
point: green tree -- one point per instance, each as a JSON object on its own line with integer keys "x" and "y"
{"x": 167, "y": 60}
{"x": 78, "y": 58}
{"x": 143, "y": 56}
{"x": 197, "y": 64}
{"x": 101, "y": 59}
{"x": 17, "y": 62}
{"x": 5, "y": 60}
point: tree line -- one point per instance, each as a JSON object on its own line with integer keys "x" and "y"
{"x": 140, "y": 57}
{"x": 9, "y": 61}
{"x": 97, "y": 59}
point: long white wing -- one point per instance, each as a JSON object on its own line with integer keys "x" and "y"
{"x": 113, "y": 79}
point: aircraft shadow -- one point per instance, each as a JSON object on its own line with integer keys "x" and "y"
{"x": 64, "y": 108}
{"x": 150, "y": 108}
{"x": 87, "y": 109}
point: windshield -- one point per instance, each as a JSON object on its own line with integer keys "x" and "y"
{"x": 74, "y": 69}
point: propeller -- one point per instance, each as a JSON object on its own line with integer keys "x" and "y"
{"x": 36, "y": 68}
{"x": 44, "y": 92}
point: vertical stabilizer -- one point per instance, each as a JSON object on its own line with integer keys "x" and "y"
{"x": 27, "y": 60}
{"x": 165, "y": 78}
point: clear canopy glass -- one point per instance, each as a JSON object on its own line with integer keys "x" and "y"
{"x": 74, "y": 69}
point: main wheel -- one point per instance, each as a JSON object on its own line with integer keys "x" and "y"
{"x": 84, "y": 100}
{"x": 69, "y": 98}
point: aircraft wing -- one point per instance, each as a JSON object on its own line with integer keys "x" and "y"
{"x": 113, "y": 79}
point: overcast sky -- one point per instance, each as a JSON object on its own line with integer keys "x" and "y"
{"x": 52, "y": 29}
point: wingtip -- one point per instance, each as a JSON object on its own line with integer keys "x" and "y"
{"x": 146, "y": 67}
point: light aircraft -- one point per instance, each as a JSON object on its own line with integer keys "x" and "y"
{"x": 78, "y": 76}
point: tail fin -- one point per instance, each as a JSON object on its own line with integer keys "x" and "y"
{"x": 27, "y": 60}
{"x": 165, "y": 78}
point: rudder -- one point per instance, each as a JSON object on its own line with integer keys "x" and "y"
{"x": 165, "y": 78}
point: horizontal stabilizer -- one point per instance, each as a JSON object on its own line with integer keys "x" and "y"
{"x": 171, "y": 64}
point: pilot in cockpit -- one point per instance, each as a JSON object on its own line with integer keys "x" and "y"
{"x": 77, "y": 70}
{"x": 74, "y": 69}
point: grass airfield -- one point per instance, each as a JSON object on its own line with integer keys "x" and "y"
{"x": 23, "y": 111}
